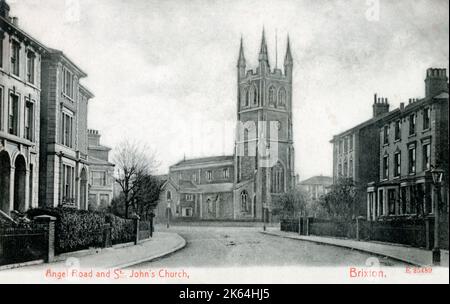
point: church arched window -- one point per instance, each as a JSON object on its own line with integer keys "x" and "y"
{"x": 244, "y": 201}
{"x": 169, "y": 195}
{"x": 210, "y": 204}
{"x": 272, "y": 96}
{"x": 282, "y": 97}
{"x": 277, "y": 178}
{"x": 255, "y": 95}
{"x": 244, "y": 96}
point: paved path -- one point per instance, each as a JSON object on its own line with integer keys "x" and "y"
{"x": 247, "y": 247}
{"x": 161, "y": 244}
{"x": 414, "y": 256}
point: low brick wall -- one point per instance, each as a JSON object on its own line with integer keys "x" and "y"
{"x": 415, "y": 232}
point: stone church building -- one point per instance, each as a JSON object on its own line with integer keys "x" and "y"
{"x": 241, "y": 186}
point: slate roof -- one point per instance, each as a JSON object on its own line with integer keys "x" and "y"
{"x": 318, "y": 180}
{"x": 204, "y": 160}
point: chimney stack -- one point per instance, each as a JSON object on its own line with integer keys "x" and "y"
{"x": 436, "y": 82}
{"x": 4, "y": 9}
{"x": 380, "y": 106}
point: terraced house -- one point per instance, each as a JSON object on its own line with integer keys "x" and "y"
{"x": 20, "y": 106}
{"x": 101, "y": 182}
{"x": 64, "y": 164}
{"x": 413, "y": 140}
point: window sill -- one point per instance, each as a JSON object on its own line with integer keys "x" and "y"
{"x": 15, "y": 138}
{"x": 397, "y": 140}
{"x": 412, "y": 135}
{"x": 426, "y": 130}
{"x": 68, "y": 97}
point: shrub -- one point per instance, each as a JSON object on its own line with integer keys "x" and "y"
{"x": 122, "y": 230}
{"x": 81, "y": 229}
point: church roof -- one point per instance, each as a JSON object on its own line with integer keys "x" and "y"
{"x": 318, "y": 180}
{"x": 204, "y": 160}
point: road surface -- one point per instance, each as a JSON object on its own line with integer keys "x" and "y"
{"x": 237, "y": 246}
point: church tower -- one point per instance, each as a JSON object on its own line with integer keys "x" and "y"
{"x": 264, "y": 156}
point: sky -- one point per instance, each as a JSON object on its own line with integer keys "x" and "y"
{"x": 164, "y": 72}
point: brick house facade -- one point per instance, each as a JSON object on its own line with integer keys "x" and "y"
{"x": 64, "y": 165}
{"x": 412, "y": 141}
{"x": 20, "y": 106}
{"x": 356, "y": 154}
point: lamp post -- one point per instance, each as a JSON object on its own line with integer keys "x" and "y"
{"x": 168, "y": 214}
{"x": 437, "y": 175}
{"x": 264, "y": 216}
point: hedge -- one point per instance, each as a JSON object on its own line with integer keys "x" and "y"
{"x": 80, "y": 229}
{"x": 122, "y": 230}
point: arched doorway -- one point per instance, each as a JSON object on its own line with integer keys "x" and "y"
{"x": 19, "y": 183}
{"x": 5, "y": 171}
{"x": 83, "y": 189}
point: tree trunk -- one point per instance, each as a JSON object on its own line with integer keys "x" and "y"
{"x": 126, "y": 205}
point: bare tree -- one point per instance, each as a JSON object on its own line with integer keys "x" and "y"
{"x": 132, "y": 160}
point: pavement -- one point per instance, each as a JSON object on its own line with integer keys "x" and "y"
{"x": 118, "y": 257}
{"x": 406, "y": 254}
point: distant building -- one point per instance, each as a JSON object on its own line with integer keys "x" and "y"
{"x": 20, "y": 107}
{"x": 242, "y": 186}
{"x": 200, "y": 188}
{"x": 64, "y": 165}
{"x": 101, "y": 180}
{"x": 316, "y": 186}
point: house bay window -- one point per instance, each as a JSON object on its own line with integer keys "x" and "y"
{"x": 391, "y": 201}
{"x": 426, "y": 118}
{"x": 398, "y": 130}
{"x": 1, "y": 50}
{"x": 68, "y": 180}
{"x": 15, "y": 58}
{"x": 426, "y": 157}
{"x": 226, "y": 173}
{"x": 209, "y": 175}
{"x": 412, "y": 160}
{"x": 412, "y": 124}
{"x": 386, "y": 135}
{"x": 397, "y": 164}
{"x": 1, "y": 108}
{"x": 13, "y": 115}
{"x": 29, "y": 119}
{"x": 67, "y": 130}
{"x": 386, "y": 167}
{"x": 68, "y": 83}
{"x": 98, "y": 178}
{"x": 31, "y": 57}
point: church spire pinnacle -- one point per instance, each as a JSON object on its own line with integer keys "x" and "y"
{"x": 241, "y": 60}
{"x": 288, "y": 59}
{"x": 263, "y": 54}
